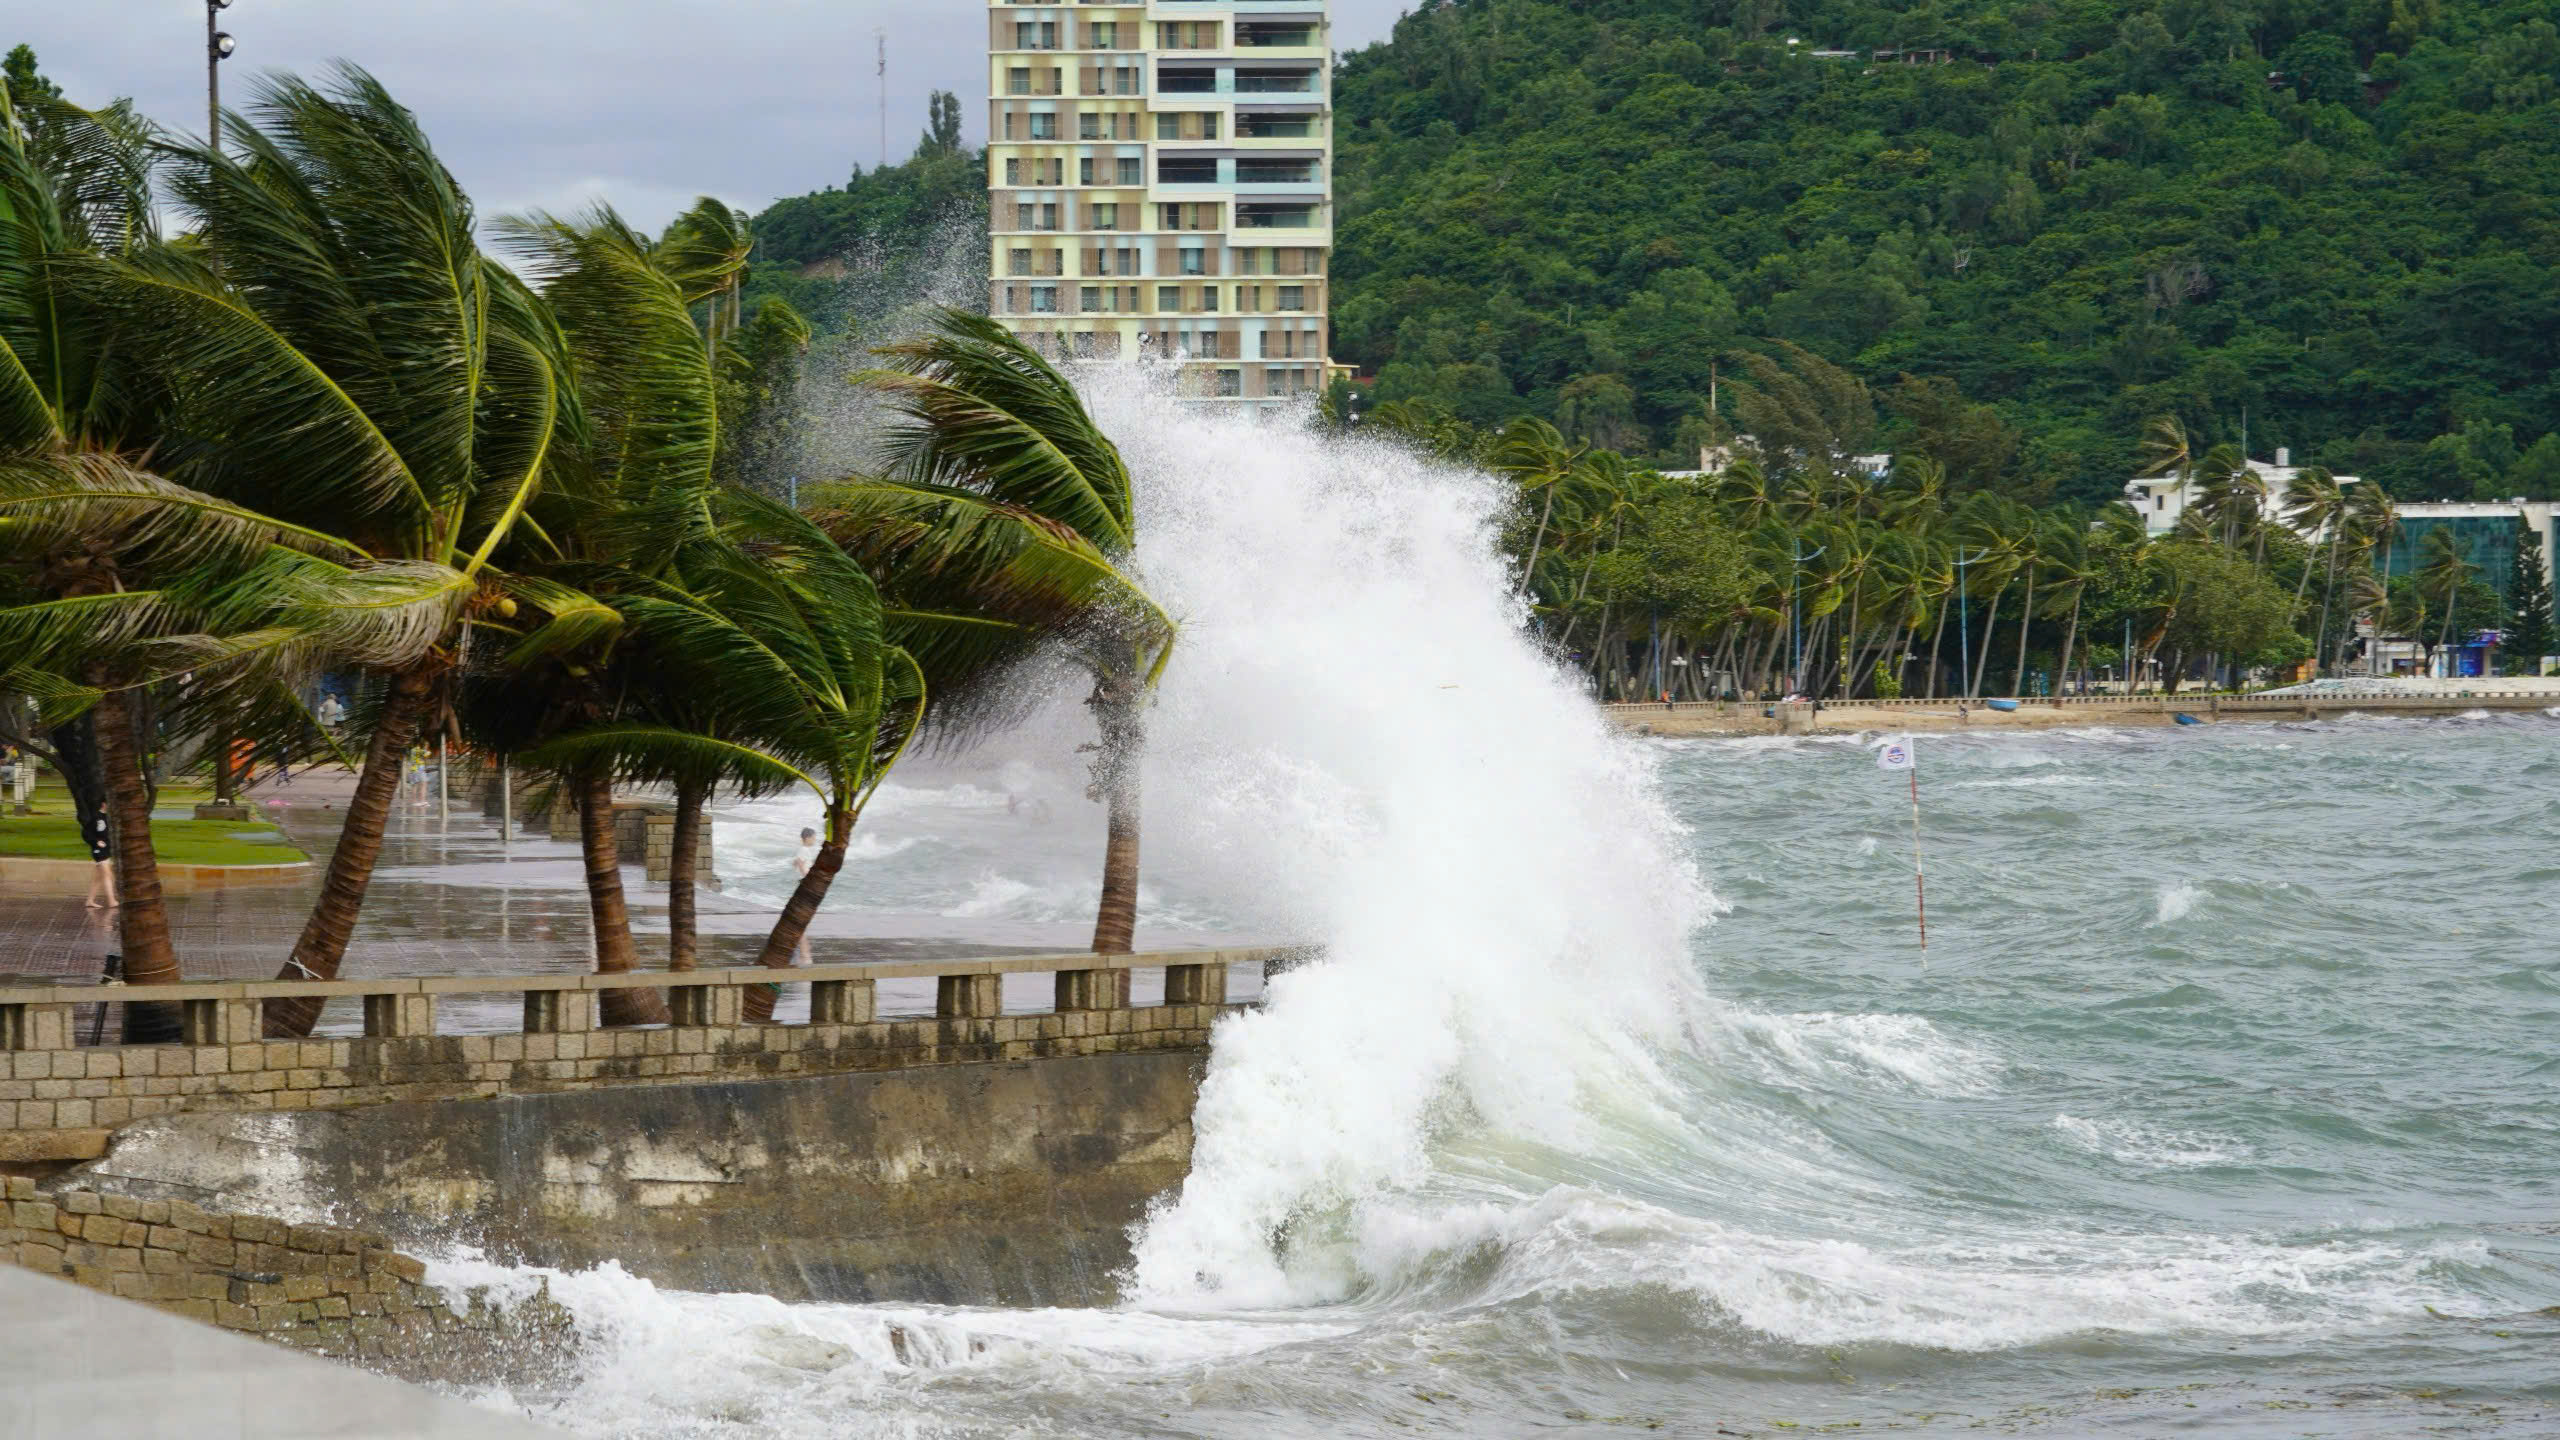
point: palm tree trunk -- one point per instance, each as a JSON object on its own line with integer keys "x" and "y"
{"x": 615, "y": 952}
{"x": 2018, "y": 681}
{"x": 143, "y": 923}
{"x": 788, "y": 929}
{"x": 1973, "y": 691}
{"x": 1936, "y": 634}
{"x": 2328, "y": 596}
{"x": 1115, "y": 921}
{"x": 2070, "y": 637}
{"x": 323, "y": 943}
{"x": 1538, "y": 541}
{"x": 686, "y": 845}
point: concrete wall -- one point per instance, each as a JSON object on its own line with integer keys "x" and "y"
{"x": 999, "y": 1183}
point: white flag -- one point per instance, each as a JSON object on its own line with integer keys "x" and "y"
{"x": 1896, "y": 755}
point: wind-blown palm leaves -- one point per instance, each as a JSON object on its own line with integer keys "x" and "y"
{"x": 127, "y": 579}
{"x": 1006, "y": 521}
{"x": 778, "y": 637}
{"x": 354, "y": 367}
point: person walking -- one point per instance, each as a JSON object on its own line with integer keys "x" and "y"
{"x": 800, "y": 867}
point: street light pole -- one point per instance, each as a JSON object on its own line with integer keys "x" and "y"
{"x": 217, "y": 48}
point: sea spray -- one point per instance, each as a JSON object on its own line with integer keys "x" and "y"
{"x": 1359, "y": 730}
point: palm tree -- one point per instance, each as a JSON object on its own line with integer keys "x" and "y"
{"x": 2375, "y": 519}
{"x": 778, "y": 636}
{"x": 357, "y": 368}
{"x": 2443, "y": 569}
{"x": 1537, "y": 457}
{"x": 1007, "y": 520}
{"x": 128, "y": 573}
{"x": 2314, "y": 502}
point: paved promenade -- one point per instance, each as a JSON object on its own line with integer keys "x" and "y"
{"x": 78, "y": 1365}
{"x": 456, "y": 897}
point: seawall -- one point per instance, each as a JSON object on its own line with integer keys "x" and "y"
{"x": 979, "y": 1155}
{"x": 1714, "y": 718}
{"x": 1002, "y": 1183}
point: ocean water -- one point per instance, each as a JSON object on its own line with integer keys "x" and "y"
{"x": 2223, "y": 1100}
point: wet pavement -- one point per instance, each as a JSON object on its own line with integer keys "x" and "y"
{"x": 453, "y": 895}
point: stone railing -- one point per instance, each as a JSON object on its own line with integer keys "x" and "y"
{"x": 59, "y": 1099}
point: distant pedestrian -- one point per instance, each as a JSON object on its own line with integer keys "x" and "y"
{"x": 801, "y": 865}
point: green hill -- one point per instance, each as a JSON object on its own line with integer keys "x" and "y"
{"x": 2340, "y": 218}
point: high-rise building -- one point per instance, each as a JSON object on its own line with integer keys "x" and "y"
{"x": 1160, "y": 180}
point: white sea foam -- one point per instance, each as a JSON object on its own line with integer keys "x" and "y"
{"x": 1824, "y": 1050}
{"x": 1359, "y": 733}
{"x": 2150, "y": 1147}
{"x": 2177, "y": 900}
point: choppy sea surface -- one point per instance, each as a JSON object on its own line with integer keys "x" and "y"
{"x": 2224, "y": 1101}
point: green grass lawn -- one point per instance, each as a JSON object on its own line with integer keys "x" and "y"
{"x": 179, "y": 842}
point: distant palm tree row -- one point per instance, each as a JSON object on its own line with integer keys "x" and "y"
{"x": 322, "y": 431}
{"x": 1791, "y": 573}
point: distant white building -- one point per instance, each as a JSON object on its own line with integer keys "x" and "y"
{"x": 2162, "y": 499}
{"x": 1714, "y": 460}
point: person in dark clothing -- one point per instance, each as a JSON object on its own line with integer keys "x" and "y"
{"x": 85, "y": 775}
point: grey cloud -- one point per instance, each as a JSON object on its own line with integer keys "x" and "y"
{"x": 554, "y": 103}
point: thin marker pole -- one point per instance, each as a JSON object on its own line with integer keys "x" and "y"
{"x": 1919, "y": 880}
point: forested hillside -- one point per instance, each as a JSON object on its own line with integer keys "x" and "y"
{"x": 2339, "y": 217}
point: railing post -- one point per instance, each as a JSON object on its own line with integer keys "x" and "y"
{"x": 35, "y": 1027}
{"x": 706, "y": 1005}
{"x": 559, "y": 1012}
{"x": 968, "y": 997}
{"x": 221, "y": 1022}
{"x": 842, "y": 1002}
{"x": 1093, "y": 990}
{"x": 386, "y": 1016}
{"x": 1196, "y": 984}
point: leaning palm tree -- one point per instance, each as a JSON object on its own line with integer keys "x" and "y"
{"x": 1006, "y": 520}
{"x": 353, "y": 365}
{"x": 777, "y": 635}
{"x": 124, "y": 574}
{"x": 1538, "y": 458}
{"x": 2442, "y": 572}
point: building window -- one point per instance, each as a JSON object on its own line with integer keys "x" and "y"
{"x": 1088, "y": 125}
{"x": 1194, "y": 260}
{"x": 1282, "y": 33}
{"x": 1275, "y": 82}
{"x": 1169, "y": 298}
{"x": 1293, "y": 297}
{"x": 1044, "y": 299}
{"x": 1275, "y": 381}
{"x": 1035, "y": 35}
{"x": 1275, "y": 172}
{"x": 1048, "y": 217}
{"x": 1084, "y": 170}
{"x": 1102, "y": 35}
{"x": 1124, "y": 81}
{"x": 1132, "y": 170}
{"x": 1089, "y": 299}
{"x": 1275, "y": 127}
{"x": 1248, "y": 261}
{"x": 1275, "y": 217}
{"x": 1187, "y": 35}
{"x": 1017, "y": 80}
{"x": 1209, "y": 299}
{"x": 1012, "y": 170}
{"x": 1187, "y": 82}
{"x": 1106, "y": 217}
{"x": 1017, "y": 262}
{"x": 1186, "y": 170}
{"x": 1084, "y": 344}
{"x": 1044, "y": 126}
{"x": 1230, "y": 382}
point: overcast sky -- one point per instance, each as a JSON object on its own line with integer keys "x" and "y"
{"x": 553, "y": 103}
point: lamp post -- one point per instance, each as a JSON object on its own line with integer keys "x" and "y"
{"x": 217, "y": 48}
